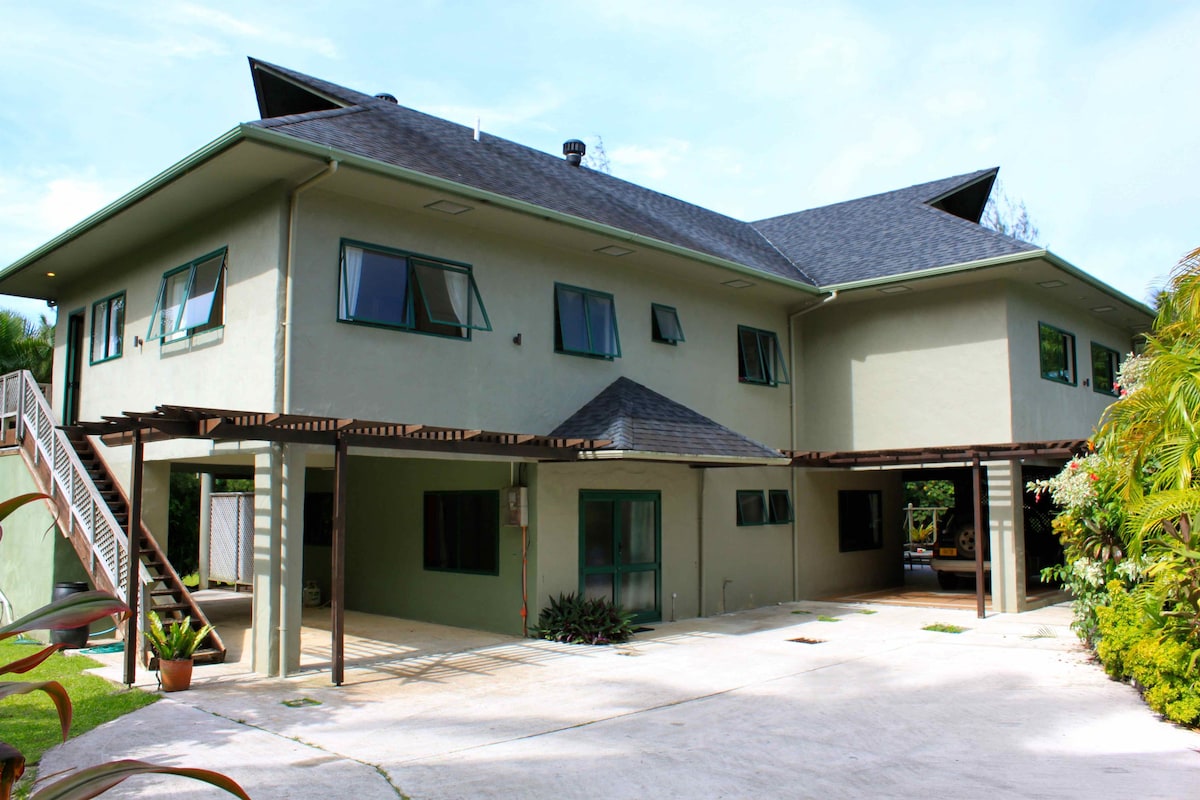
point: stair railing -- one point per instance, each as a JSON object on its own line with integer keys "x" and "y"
{"x": 23, "y": 408}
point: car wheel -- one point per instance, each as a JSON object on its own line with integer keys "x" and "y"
{"x": 965, "y": 540}
{"x": 947, "y": 580}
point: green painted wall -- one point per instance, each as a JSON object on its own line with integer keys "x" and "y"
{"x": 33, "y": 554}
{"x": 385, "y": 571}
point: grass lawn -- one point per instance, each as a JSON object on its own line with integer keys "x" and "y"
{"x": 29, "y": 721}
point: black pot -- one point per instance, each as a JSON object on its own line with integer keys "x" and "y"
{"x": 71, "y": 637}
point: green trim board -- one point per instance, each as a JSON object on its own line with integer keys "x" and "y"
{"x": 664, "y": 324}
{"x": 108, "y": 328}
{"x": 1105, "y": 364}
{"x": 585, "y": 323}
{"x": 619, "y": 557}
{"x": 389, "y": 288}
{"x": 759, "y": 359}
{"x": 1056, "y": 354}
{"x": 190, "y": 298}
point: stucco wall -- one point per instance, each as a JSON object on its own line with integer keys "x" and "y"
{"x": 33, "y": 553}
{"x": 1044, "y": 409}
{"x": 232, "y": 367}
{"x": 385, "y": 571}
{"x": 490, "y": 382}
{"x": 906, "y": 370}
{"x": 823, "y": 569}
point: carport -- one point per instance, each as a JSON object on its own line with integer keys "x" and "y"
{"x": 186, "y": 422}
{"x": 998, "y": 466}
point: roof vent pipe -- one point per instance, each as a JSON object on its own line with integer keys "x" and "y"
{"x": 391, "y": 98}
{"x": 574, "y": 150}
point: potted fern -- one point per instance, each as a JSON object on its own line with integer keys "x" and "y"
{"x": 174, "y": 644}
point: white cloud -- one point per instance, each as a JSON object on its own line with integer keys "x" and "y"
{"x": 37, "y": 206}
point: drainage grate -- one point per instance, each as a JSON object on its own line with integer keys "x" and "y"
{"x": 803, "y": 640}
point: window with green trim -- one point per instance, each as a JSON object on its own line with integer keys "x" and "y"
{"x": 664, "y": 324}
{"x": 1056, "y": 350}
{"x": 1105, "y": 364}
{"x": 860, "y": 520}
{"x": 395, "y": 289}
{"x": 190, "y": 299}
{"x": 585, "y": 323}
{"x": 108, "y": 328}
{"x": 462, "y": 532}
{"x": 779, "y": 506}
{"x": 751, "y": 507}
{"x": 759, "y": 359}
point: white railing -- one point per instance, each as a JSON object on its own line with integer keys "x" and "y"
{"x": 23, "y": 408}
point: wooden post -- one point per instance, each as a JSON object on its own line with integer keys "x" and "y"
{"x": 134, "y": 533}
{"x": 338, "y": 580}
{"x": 977, "y": 494}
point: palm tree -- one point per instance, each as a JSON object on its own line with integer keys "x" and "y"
{"x": 26, "y": 345}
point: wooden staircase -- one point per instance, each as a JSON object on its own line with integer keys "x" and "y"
{"x": 93, "y": 510}
{"x": 165, "y": 593}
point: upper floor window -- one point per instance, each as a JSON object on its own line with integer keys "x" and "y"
{"x": 759, "y": 359}
{"x": 1105, "y": 363}
{"x": 585, "y": 323}
{"x": 108, "y": 327}
{"x": 1057, "y": 354}
{"x": 190, "y": 298}
{"x": 664, "y": 324}
{"x": 402, "y": 290}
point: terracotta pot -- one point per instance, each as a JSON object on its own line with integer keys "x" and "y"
{"x": 175, "y": 675}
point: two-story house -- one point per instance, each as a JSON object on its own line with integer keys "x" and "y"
{"x": 512, "y": 376}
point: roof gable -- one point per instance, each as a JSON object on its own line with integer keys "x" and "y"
{"x": 918, "y": 228}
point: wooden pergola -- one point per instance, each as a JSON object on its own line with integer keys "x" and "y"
{"x": 189, "y": 422}
{"x": 973, "y": 455}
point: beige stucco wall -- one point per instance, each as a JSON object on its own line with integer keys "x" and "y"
{"x": 490, "y": 382}
{"x": 232, "y": 367}
{"x": 1044, "y": 409}
{"x": 906, "y": 370}
{"x": 823, "y": 569}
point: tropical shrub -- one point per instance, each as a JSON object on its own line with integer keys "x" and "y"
{"x": 73, "y": 611}
{"x": 175, "y": 641}
{"x": 1132, "y": 646}
{"x": 577, "y": 620}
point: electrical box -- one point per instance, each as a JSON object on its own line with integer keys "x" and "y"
{"x": 516, "y": 506}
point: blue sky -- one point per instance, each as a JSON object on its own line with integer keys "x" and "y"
{"x": 753, "y": 108}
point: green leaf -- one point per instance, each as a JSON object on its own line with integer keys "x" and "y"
{"x": 22, "y": 665}
{"x": 72, "y": 611}
{"x": 88, "y": 783}
{"x": 58, "y": 694}
{"x": 9, "y": 506}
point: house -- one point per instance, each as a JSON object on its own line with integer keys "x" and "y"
{"x": 515, "y": 376}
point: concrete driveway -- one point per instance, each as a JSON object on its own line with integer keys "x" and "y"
{"x": 724, "y": 707}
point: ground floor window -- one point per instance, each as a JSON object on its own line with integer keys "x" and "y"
{"x": 462, "y": 532}
{"x": 860, "y": 520}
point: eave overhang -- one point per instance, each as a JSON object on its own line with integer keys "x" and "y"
{"x": 930, "y": 456}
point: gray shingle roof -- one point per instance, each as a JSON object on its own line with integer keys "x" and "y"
{"x": 879, "y": 236}
{"x": 639, "y": 419}
{"x": 887, "y": 234}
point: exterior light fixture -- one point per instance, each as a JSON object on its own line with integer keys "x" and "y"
{"x": 737, "y": 284}
{"x": 613, "y": 250}
{"x": 1103, "y": 309}
{"x": 49, "y": 274}
{"x": 894, "y": 289}
{"x": 448, "y": 207}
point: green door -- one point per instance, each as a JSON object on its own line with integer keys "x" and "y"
{"x": 620, "y": 550}
{"x": 74, "y": 369}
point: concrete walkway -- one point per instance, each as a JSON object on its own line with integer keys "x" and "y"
{"x": 870, "y": 705}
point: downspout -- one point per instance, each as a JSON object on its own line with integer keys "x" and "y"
{"x": 794, "y": 444}
{"x": 283, "y": 385}
{"x": 283, "y": 399}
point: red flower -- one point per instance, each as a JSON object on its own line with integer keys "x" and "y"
{"x": 1092, "y": 475}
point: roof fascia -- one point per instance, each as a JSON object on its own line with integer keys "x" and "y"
{"x": 986, "y": 263}
{"x": 277, "y": 138}
{"x": 172, "y": 173}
